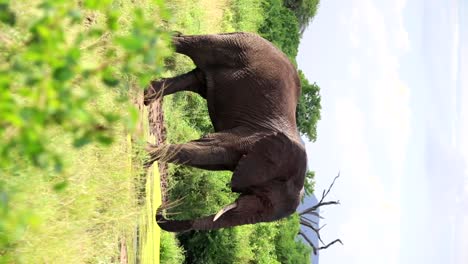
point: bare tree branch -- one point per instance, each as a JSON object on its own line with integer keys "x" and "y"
{"x": 311, "y": 213}
{"x": 317, "y": 231}
{"x": 307, "y": 219}
{"x": 331, "y": 243}
{"x": 317, "y": 206}
{"x": 325, "y": 193}
{"x": 321, "y": 202}
{"x": 313, "y": 225}
{"x": 314, "y": 248}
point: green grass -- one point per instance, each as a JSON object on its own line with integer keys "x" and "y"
{"x": 85, "y": 221}
{"x": 245, "y": 15}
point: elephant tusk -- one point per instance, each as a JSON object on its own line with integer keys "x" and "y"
{"x": 224, "y": 210}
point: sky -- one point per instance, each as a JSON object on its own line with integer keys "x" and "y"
{"x": 394, "y": 88}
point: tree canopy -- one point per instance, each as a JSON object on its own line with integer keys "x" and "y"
{"x": 304, "y": 10}
{"x": 308, "y": 108}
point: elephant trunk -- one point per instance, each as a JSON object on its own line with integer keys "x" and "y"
{"x": 249, "y": 209}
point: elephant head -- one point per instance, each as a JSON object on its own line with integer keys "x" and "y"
{"x": 269, "y": 178}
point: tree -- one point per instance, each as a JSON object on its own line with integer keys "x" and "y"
{"x": 280, "y": 27}
{"x": 313, "y": 225}
{"x": 288, "y": 248}
{"x": 304, "y": 10}
{"x": 308, "y": 108}
{"x": 309, "y": 183}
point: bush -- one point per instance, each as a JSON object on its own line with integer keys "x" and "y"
{"x": 170, "y": 252}
{"x": 308, "y": 108}
{"x": 304, "y": 10}
{"x": 247, "y": 15}
{"x": 289, "y": 248}
{"x": 280, "y": 27}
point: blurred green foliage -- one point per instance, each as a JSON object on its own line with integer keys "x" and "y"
{"x": 57, "y": 58}
{"x": 47, "y": 80}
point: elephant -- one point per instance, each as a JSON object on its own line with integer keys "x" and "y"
{"x": 252, "y": 90}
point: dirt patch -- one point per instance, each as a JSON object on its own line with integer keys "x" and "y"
{"x": 214, "y": 12}
{"x": 157, "y": 129}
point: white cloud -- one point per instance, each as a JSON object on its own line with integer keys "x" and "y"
{"x": 390, "y": 113}
{"x": 455, "y": 54}
{"x": 353, "y": 30}
{"x": 462, "y": 58}
{"x": 454, "y": 20}
{"x": 400, "y": 33}
{"x": 354, "y": 70}
{"x": 367, "y": 206}
{"x": 370, "y": 184}
{"x": 462, "y": 138}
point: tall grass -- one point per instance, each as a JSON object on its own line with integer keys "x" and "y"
{"x": 85, "y": 220}
{"x": 246, "y": 15}
{"x": 170, "y": 251}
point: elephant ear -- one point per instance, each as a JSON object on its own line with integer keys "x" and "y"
{"x": 275, "y": 156}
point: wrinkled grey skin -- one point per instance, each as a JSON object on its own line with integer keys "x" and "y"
{"x": 251, "y": 90}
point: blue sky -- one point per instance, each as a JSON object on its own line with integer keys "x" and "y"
{"x": 395, "y": 123}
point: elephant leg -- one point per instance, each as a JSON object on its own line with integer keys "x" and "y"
{"x": 195, "y": 154}
{"x": 192, "y": 81}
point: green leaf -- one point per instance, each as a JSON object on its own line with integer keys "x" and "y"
{"x": 112, "y": 21}
{"x": 96, "y": 32}
{"x": 105, "y": 140}
{"x": 133, "y": 117}
{"x": 109, "y": 79}
{"x": 82, "y": 141}
{"x": 75, "y": 16}
{"x": 63, "y": 74}
{"x": 6, "y": 15}
{"x": 60, "y": 186}
{"x": 164, "y": 12}
{"x": 97, "y": 4}
{"x": 73, "y": 55}
{"x": 132, "y": 44}
{"x": 58, "y": 164}
{"x": 110, "y": 117}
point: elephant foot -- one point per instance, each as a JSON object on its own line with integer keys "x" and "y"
{"x": 147, "y": 164}
{"x": 153, "y": 92}
{"x": 150, "y": 147}
{"x": 176, "y": 33}
{"x": 154, "y": 155}
{"x": 179, "y": 226}
{"x": 162, "y": 153}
